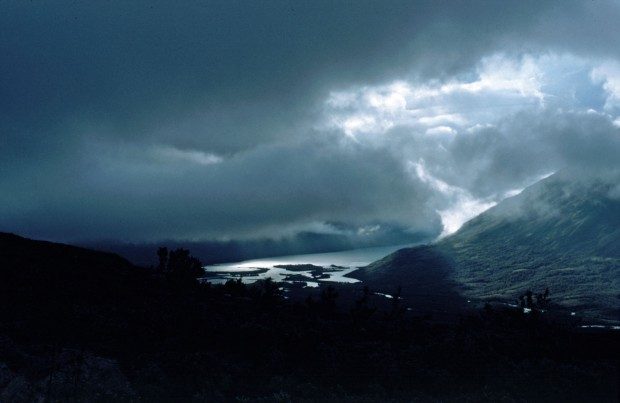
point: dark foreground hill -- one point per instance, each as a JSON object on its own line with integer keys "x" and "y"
{"x": 78, "y": 325}
{"x": 51, "y": 270}
{"x": 562, "y": 234}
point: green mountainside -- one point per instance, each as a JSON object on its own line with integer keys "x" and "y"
{"x": 559, "y": 233}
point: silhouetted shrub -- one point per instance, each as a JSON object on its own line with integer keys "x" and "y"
{"x": 178, "y": 264}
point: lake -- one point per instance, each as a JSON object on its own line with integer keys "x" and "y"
{"x": 326, "y": 267}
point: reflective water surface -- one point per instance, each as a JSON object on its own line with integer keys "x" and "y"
{"x": 326, "y": 267}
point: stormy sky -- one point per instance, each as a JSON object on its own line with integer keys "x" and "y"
{"x": 148, "y": 120}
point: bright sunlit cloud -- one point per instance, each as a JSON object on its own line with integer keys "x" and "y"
{"x": 462, "y": 205}
{"x": 608, "y": 74}
{"x": 191, "y": 156}
{"x": 433, "y": 120}
{"x": 502, "y": 85}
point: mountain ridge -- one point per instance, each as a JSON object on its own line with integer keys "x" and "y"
{"x": 558, "y": 233}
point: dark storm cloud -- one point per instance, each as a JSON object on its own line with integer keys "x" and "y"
{"x": 148, "y": 119}
{"x": 273, "y": 189}
{"x": 130, "y": 68}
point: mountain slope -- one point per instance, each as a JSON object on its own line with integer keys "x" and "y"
{"x": 44, "y": 271}
{"x": 16, "y": 250}
{"x": 559, "y": 233}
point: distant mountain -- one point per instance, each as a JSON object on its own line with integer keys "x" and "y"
{"x": 561, "y": 233}
{"x": 213, "y": 252}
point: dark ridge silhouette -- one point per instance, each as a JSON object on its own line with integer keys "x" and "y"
{"x": 53, "y": 271}
{"x": 16, "y": 250}
{"x": 79, "y": 325}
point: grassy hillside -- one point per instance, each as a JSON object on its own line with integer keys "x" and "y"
{"x": 560, "y": 234}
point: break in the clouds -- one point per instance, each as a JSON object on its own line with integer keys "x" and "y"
{"x": 145, "y": 120}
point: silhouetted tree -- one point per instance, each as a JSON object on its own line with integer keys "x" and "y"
{"x": 528, "y": 296}
{"x": 542, "y": 299}
{"x": 270, "y": 292}
{"x": 162, "y": 254}
{"x": 179, "y": 264}
{"x": 235, "y": 287}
